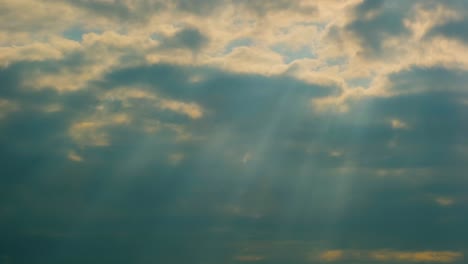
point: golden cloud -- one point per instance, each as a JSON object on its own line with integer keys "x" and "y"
{"x": 391, "y": 255}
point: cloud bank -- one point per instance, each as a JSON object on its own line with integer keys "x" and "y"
{"x": 233, "y": 131}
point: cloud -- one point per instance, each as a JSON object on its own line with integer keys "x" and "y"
{"x": 332, "y": 255}
{"x": 433, "y": 79}
{"x": 55, "y": 49}
{"x": 251, "y": 60}
{"x": 188, "y": 38}
{"x": 39, "y": 21}
{"x": 374, "y": 23}
{"x": 91, "y": 132}
{"x": 131, "y": 97}
{"x": 263, "y": 8}
{"x": 398, "y": 124}
{"x": 137, "y": 112}
{"x": 72, "y": 155}
{"x": 452, "y": 29}
{"x": 119, "y": 10}
{"x": 6, "y": 107}
{"x": 392, "y": 255}
{"x": 199, "y": 7}
{"x": 233, "y": 131}
{"x": 444, "y": 201}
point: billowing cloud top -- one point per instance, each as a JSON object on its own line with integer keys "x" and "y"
{"x": 233, "y": 131}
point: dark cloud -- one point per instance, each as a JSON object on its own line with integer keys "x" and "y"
{"x": 258, "y": 173}
{"x": 452, "y": 29}
{"x": 432, "y": 79}
{"x": 369, "y": 6}
{"x": 376, "y": 21}
{"x": 187, "y": 38}
{"x": 199, "y": 7}
{"x": 265, "y": 7}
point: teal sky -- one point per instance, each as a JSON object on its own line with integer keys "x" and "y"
{"x": 233, "y": 131}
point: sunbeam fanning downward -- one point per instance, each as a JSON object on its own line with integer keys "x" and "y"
{"x": 233, "y": 131}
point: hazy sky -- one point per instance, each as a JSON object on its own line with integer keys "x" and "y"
{"x": 233, "y": 131}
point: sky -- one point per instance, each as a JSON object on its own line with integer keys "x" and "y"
{"x": 233, "y": 131}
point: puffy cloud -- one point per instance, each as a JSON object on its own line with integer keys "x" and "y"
{"x": 15, "y": 20}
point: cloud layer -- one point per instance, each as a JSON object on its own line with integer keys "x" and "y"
{"x": 232, "y": 131}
